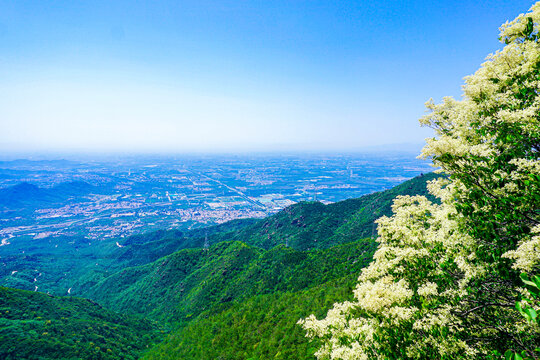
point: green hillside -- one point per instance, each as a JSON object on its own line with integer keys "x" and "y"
{"x": 58, "y": 264}
{"x": 34, "y": 325}
{"x": 77, "y": 263}
{"x": 262, "y": 327}
{"x": 313, "y": 225}
{"x": 182, "y": 285}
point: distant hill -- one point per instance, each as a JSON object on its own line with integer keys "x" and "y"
{"x": 29, "y": 195}
{"x": 34, "y": 325}
{"x": 73, "y": 188}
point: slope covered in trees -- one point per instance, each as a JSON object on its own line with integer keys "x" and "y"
{"x": 75, "y": 263}
{"x": 261, "y": 327}
{"x": 182, "y": 285}
{"x": 34, "y": 325}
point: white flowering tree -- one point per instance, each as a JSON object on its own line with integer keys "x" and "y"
{"x": 446, "y": 276}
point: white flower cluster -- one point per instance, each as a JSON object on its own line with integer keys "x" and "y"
{"x": 404, "y": 288}
{"x": 409, "y": 300}
{"x": 527, "y": 255}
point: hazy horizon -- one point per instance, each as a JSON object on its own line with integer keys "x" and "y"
{"x": 224, "y": 76}
{"x": 386, "y": 149}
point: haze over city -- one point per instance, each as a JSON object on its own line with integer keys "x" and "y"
{"x": 233, "y": 76}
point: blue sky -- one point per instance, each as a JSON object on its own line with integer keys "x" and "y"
{"x": 176, "y": 76}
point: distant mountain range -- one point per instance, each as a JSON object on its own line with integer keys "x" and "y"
{"x": 28, "y": 195}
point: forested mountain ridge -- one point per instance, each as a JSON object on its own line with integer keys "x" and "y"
{"x": 34, "y": 325}
{"x": 261, "y": 327}
{"x": 78, "y": 264}
{"x": 302, "y": 226}
{"x": 243, "y": 292}
{"x": 186, "y": 283}
{"x": 253, "y": 283}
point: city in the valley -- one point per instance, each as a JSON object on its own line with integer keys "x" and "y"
{"x": 120, "y": 196}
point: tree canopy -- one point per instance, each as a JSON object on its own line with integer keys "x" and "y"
{"x": 446, "y": 277}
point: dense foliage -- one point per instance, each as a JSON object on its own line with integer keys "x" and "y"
{"x": 39, "y": 326}
{"x": 261, "y": 327}
{"x": 182, "y": 285}
{"x": 57, "y": 264}
{"x": 445, "y": 278}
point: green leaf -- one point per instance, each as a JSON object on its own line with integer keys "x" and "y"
{"x": 536, "y": 280}
{"x": 532, "y": 313}
{"x": 526, "y": 280}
